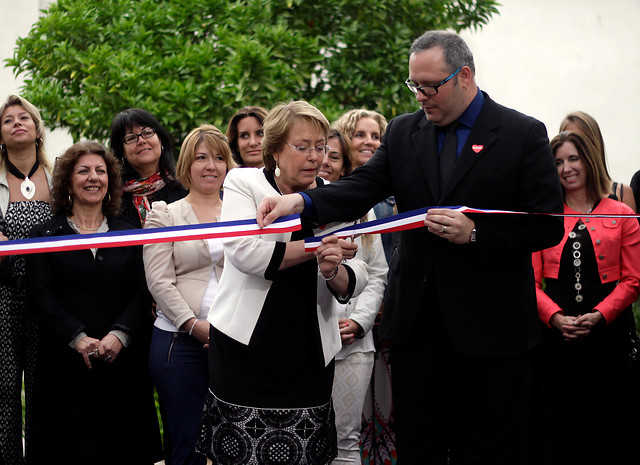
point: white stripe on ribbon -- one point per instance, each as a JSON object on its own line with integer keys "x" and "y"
{"x": 415, "y": 219}
{"x": 148, "y": 236}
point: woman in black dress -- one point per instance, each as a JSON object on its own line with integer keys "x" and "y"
{"x": 591, "y": 278}
{"x": 93, "y": 399}
{"x": 25, "y": 175}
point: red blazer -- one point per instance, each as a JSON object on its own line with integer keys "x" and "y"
{"x": 616, "y": 242}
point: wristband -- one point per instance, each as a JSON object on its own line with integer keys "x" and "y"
{"x": 193, "y": 326}
{"x": 335, "y": 273}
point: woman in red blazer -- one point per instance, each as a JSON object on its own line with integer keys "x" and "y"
{"x": 585, "y": 288}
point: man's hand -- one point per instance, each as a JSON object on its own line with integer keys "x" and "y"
{"x": 272, "y": 208}
{"x": 451, "y": 225}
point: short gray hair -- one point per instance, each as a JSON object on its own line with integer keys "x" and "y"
{"x": 455, "y": 50}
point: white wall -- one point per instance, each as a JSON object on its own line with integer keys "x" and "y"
{"x": 549, "y": 57}
{"x": 541, "y": 57}
{"x": 17, "y": 18}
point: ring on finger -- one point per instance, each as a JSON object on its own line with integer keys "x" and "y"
{"x": 444, "y": 230}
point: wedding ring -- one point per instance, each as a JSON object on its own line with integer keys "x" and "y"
{"x": 444, "y": 230}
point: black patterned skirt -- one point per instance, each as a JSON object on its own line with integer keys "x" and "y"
{"x": 235, "y": 435}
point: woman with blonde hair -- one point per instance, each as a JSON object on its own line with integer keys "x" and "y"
{"x": 25, "y": 178}
{"x": 183, "y": 279}
{"x": 363, "y": 129}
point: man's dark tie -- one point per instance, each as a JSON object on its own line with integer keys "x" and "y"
{"x": 448, "y": 153}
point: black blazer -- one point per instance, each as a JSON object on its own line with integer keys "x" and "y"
{"x": 485, "y": 291}
{"x": 70, "y": 292}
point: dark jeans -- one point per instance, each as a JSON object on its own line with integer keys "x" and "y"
{"x": 178, "y": 365}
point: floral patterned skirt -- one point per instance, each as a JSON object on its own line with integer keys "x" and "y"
{"x": 234, "y": 435}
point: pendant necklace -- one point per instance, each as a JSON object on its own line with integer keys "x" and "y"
{"x": 27, "y": 187}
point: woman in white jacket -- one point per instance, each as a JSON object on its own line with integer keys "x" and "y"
{"x": 354, "y": 362}
{"x": 272, "y": 346}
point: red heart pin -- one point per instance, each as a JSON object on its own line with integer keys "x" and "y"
{"x": 477, "y": 148}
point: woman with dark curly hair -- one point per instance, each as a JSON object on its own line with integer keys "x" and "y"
{"x": 93, "y": 399}
{"x": 145, "y": 149}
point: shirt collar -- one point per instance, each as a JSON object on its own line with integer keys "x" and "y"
{"x": 470, "y": 114}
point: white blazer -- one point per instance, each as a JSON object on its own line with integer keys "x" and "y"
{"x": 177, "y": 272}
{"x": 243, "y": 288}
{"x": 364, "y": 308}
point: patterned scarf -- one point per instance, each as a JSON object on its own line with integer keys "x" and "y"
{"x": 140, "y": 189}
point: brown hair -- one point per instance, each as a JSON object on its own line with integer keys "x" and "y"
{"x": 215, "y": 140}
{"x": 598, "y": 181}
{"x": 345, "y": 147}
{"x": 590, "y": 128}
{"x": 60, "y": 197}
{"x": 258, "y": 113}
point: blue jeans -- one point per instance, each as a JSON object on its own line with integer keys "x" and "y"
{"x": 178, "y": 365}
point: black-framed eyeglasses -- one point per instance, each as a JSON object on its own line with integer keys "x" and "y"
{"x": 146, "y": 133}
{"x": 319, "y": 150}
{"x": 428, "y": 91}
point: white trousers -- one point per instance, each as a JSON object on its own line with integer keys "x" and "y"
{"x": 350, "y": 384}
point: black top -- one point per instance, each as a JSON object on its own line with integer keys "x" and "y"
{"x": 611, "y": 336}
{"x": 283, "y": 365}
{"x": 70, "y": 292}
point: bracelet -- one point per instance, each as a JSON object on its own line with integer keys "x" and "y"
{"x": 335, "y": 273}
{"x": 193, "y": 326}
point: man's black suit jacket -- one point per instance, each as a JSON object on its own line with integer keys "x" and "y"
{"x": 484, "y": 290}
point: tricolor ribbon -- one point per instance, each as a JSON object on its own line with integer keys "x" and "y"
{"x": 415, "y": 219}
{"x": 148, "y": 236}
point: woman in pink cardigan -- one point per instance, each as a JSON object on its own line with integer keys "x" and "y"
{"x": 585, "y": 288}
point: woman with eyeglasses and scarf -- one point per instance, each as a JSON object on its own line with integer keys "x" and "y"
{"x": 145, "y": 150}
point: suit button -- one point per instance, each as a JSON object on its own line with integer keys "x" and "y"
{"x": 613, "y": 222}
{"x": 598, "y": 241}
{"x": 99, "y": 258}
{"x": 600, "y": 257}
{"x": 604, "y": 276}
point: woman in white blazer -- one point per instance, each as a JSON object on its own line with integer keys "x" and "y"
{"x": 272, "y": 343}
{"x": 354, "y": 362}
{"x": 183, "y": 279}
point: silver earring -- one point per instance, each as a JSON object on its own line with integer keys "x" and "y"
{"x": 276, "y": 172}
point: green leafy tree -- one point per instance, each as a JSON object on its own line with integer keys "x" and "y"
{"x": 194, "y": 61}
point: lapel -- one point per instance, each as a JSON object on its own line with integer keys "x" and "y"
{"x": 483, "y": 135}
{"x": 189, "y": 217}
{"x": 425, "y": 142}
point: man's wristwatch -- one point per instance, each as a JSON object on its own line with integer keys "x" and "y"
{"x": 472, "y": 235}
